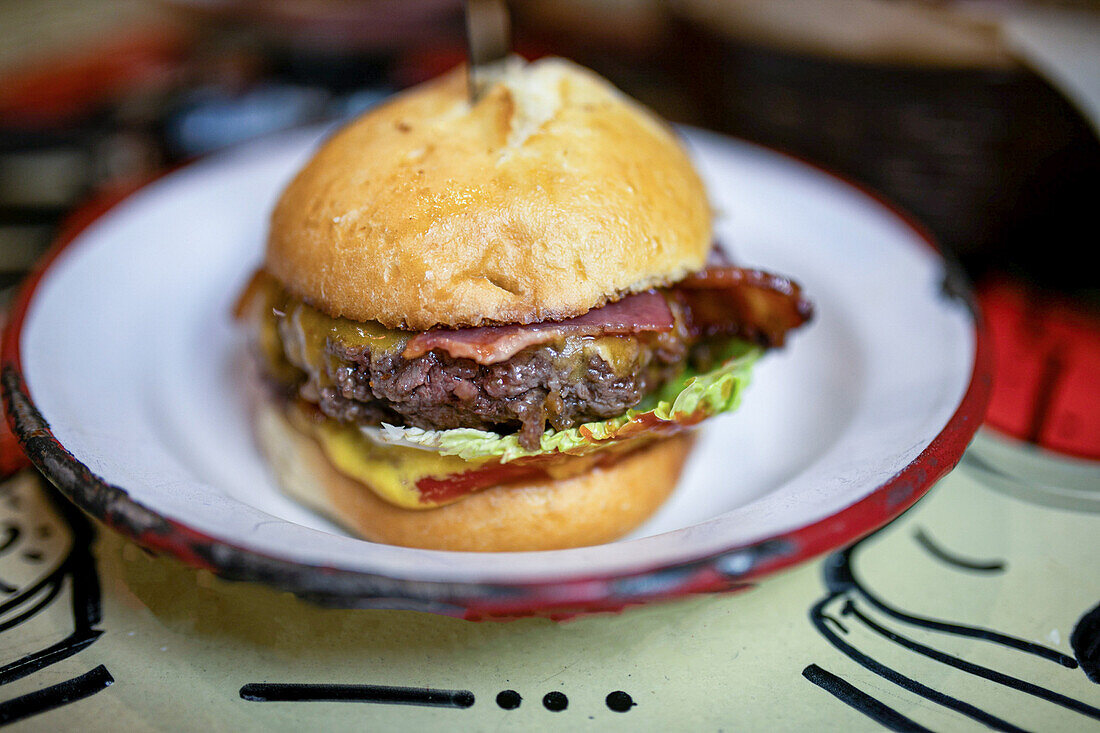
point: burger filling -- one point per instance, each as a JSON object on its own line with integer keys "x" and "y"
{"x": 359, "y": 373}
{"x": 501, "y": 403}
{"x": 567, "y": 382}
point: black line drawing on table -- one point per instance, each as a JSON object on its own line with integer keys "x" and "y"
{"x": 46, "y": 564}
{"x": 384, "y": 694}
{"x": 1085, "y": 641}
{"x": 850, "y": 605}
{"x": 617, "y": 701}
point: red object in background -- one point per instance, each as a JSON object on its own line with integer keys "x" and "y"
{"x": 11, "y": 454}
{"x": 57, "y": 91}
{"x": 1046, "y": 386}
{"x": 12, "y": 458}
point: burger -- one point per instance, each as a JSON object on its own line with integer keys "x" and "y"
{"x": 491, "y": 325}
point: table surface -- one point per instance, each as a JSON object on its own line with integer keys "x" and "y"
{"x": 959, "y": 615}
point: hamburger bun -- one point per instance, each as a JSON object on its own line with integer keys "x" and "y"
{"x": 597, "y": 506}
{"x": 552, "y": 195}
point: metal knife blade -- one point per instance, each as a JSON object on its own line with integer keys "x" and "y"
{"x": 488, "y": 39}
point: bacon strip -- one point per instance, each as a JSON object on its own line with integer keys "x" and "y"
{"x": 721, "y": 299}
{"x": 640, "y": 313}
{"x": 754, "y": 304}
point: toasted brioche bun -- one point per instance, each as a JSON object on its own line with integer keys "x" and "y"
{"x": 597, "y": 506}
{"x": 554, "y": 194}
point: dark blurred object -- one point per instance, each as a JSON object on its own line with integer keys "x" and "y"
{"x": 338, "y": 27}
{"x": 593, "y": 27}
{"x": 80, "y": 95}
{"x": 340, "y": 45}
{"x": 630, "y": 42}
{"x": 921, "y": 102}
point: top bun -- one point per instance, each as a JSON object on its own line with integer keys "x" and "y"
{"x": 552, "y": 195}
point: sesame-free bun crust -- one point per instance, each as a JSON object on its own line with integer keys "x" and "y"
{"x": 552, "y": 195}
{"x": 598, "y": 506}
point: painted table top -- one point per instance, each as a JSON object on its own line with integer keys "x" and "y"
{"x": 977, "y": 608}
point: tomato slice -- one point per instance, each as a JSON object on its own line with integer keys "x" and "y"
{"x": 449, "y": 488}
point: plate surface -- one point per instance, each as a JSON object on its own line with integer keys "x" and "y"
{"x": 125, "y": 347}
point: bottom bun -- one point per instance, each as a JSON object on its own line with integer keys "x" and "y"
{"x": 597, "y": 506}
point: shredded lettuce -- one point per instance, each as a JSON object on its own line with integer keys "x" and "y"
{"x": 688, "y": 399}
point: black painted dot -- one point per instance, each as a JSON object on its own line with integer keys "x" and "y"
{"x": 555, "y": 702}
{"x": 619, "y": 701}
{"x": 509, "y": 699}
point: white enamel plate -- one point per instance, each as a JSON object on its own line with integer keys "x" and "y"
{"x": 125, "y": 347}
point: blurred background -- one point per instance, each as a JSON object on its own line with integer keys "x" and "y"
{"x": 981, "y": 119}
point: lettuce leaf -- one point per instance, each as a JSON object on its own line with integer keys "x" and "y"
{"x": 684, "y": 401}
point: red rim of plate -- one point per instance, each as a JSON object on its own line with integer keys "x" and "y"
{"x": 732, "y": 569}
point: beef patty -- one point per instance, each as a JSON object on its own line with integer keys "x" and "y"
{"x": 564, "y": 385}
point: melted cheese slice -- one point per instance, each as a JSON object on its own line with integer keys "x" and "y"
{"x": 392, "y": 472}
